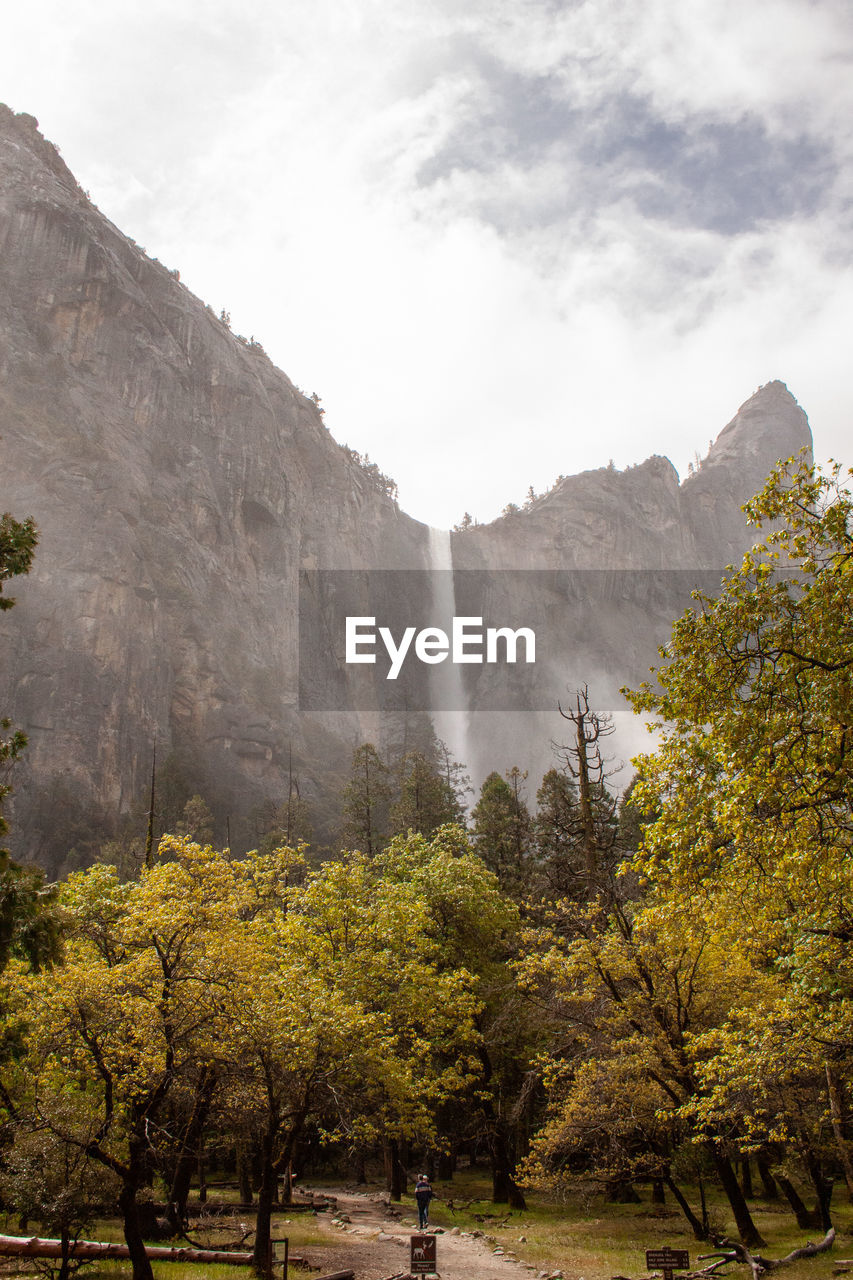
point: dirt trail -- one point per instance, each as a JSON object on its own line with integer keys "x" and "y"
{"x": 375, "y": 1243}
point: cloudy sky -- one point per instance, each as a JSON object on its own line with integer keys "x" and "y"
{"x": 501, "y": 240}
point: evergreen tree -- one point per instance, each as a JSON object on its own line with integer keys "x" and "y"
{"x": 502, "y": 829}
{"x": 367, "y": 798}
{"x": 555, "y": 836}
{"x": 283, "y": 825}
{"x": 426, "y": 800}
{"x": 453, "y": 772}
{"x": 28, "y": 924}
{"x": 18, "y": 539}
{"x": 197, "y": 821}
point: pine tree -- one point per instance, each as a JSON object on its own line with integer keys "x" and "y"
{"x": 28, "y": 924}
{"x": 502, "y": 829}
{"x": 367, "y": 798}
{"x": 426, "y": 800}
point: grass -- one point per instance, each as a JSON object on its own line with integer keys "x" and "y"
{"x": 585, "y": 1237}
{"x": 301, "y": 1230}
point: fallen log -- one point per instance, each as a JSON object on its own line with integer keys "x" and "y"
{"x": 759, "y": 1265}
{"x": 34, "y": 1247}
{"x": 731, "y": 1251}
{"x": 338, "y": 1275}
{"x": 808, "y": 1251}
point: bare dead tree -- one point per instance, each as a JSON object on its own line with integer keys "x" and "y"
{"x": 583, "y": 760}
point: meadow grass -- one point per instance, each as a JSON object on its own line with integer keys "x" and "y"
{"x": 580, "y": 1235}
{"x": 584, "y": 1236}
{"x": 301, "y": 1230}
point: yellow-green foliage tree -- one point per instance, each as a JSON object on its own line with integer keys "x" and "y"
{"x": 284, "y": 998}
{"x": 754, "y": 778}
{"x": 627, "y": 987}
{"x": 718, "y": 1002}
{"x": 136, "y": 1012}
{"x": 397, "y": 936}
{"x": 471, "y": 924}
{"x": 347, "y": 1013}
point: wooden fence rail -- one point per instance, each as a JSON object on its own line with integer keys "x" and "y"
{"x": 33, "y": 1247}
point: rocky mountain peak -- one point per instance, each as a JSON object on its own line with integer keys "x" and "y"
{"x": 183, "y": 488}
{"x": 768, "y": 428}
{"x": 770, "y": 424}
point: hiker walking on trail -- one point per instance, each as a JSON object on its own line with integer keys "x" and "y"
{"x": 423, "y": 1195}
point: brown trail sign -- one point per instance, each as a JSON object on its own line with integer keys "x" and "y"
{"x": 667, "y": 1260}
{"x": 422, "y": 1254}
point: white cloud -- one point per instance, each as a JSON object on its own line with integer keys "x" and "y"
{"x": 501, "y": 241}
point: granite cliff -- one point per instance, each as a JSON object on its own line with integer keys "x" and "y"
{"x": 181, "y": 484}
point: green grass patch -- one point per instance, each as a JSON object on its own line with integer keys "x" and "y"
{"x": 584, "y": 1236}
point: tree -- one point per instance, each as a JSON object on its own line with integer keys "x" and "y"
{"x": 501, "y": 826}
{"x": 52, "y": 1180}
{"x": 455, "y": 777}
{"x": 18, "y": 540}
{"x": 473, "y": 926}
{"x": 295, "y": 1041}
{"x": 554, "y": 833}
{"x": 136, "y": 1011}
{"x": 426, "y": 799}
{"x": 197, "y": 821}
{"x": 356, "y": 1018}
{"x": 366, "y": 801}
{"x": 28, "y": 923}
{"x": 610, "y": 1118}
{"x": 593, "y": 825}
{"x": 753, "y": 783}
{"x": 633, "y": 986}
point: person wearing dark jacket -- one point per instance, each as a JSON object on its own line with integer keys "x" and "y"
{"x": 423, "y": 1195}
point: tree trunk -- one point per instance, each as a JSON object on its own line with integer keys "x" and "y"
{"x": 836, "y": 1112}
{"x": 700, "y": 1232}
{"x": 806, "y": 1218}
{"x": 266, "y": 1195}
{"x": 202, "y": 1180}
{"x": 133, "y": 1235}
{"x": 505, "y": 1190}
{"x": 445, "y": 1166}
{"x": 176, "y": 1209}
{"x": 191, "y": 1149}
{"x": 395, "y": 1176}
{"x": 823, "y": 1189}
{"x": 64, "y": 1267}
{"x": 244, "y": 1177}
{"x": 746, "y": 1179}
{"x": 771, "y": 1191}
{"x": 658, "y": 1192}
{"x": 102, "y": 1250}
{"x": 747, "y": 1230}
{"x": 621, "y": 1191}
{"x": 358, "y": 1166}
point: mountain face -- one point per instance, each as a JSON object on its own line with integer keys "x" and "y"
{"x": 184, "y": 488}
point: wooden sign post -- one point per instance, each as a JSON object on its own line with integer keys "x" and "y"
{"x": 667, "y": 1260}
{"x": 423, "y": 1254}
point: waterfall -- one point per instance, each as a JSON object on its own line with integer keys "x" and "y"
{"x": 449, "y": 709}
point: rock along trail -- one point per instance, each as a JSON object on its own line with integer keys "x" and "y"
{"x": 375, "y": 1243}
